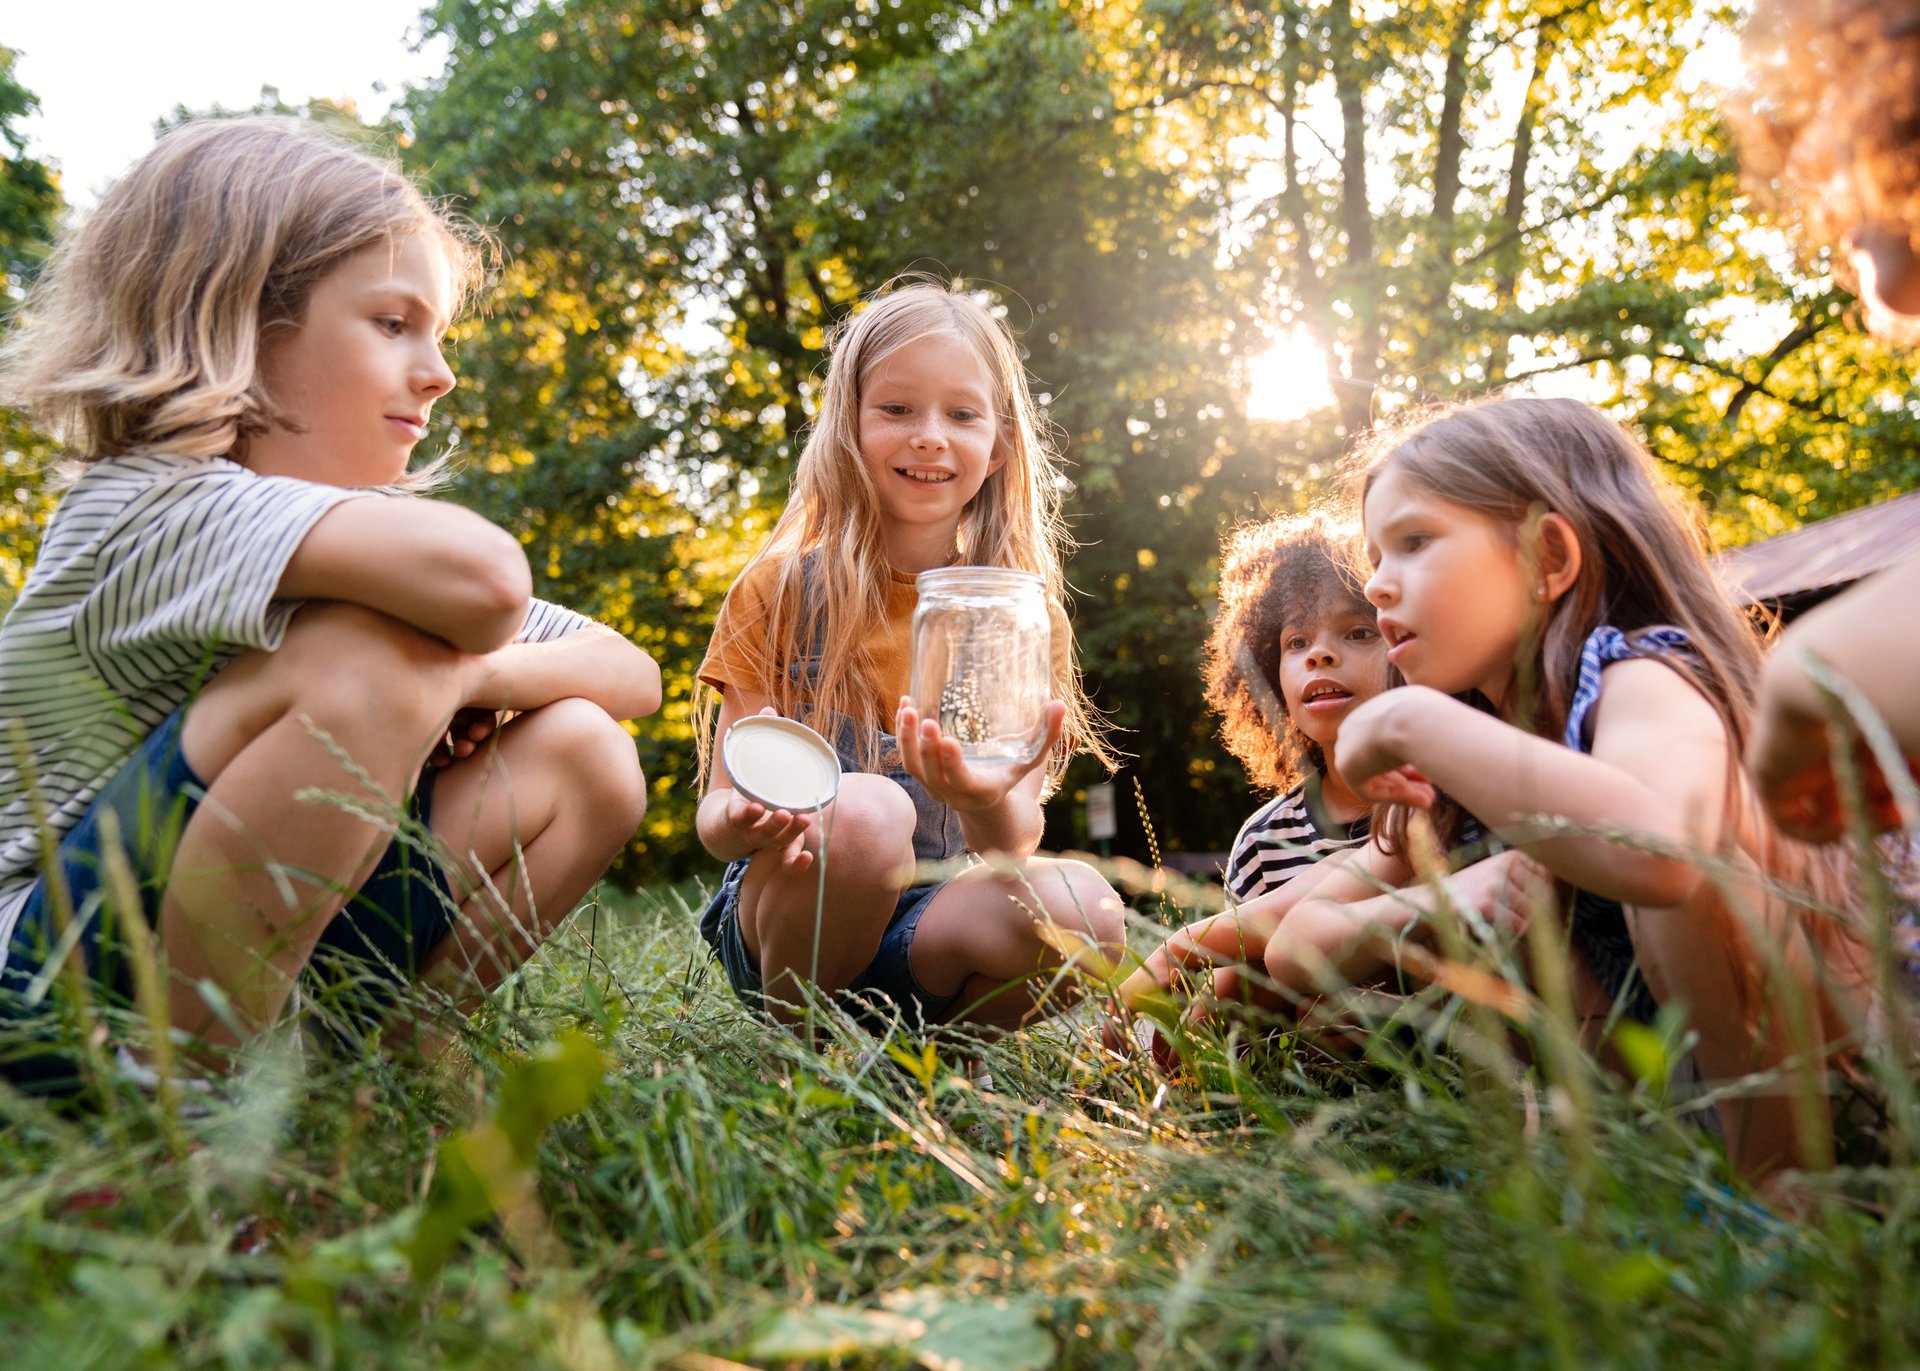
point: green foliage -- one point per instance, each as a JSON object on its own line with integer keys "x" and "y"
{"x": 29, "y": 207}
{"x": 487, "y": 1169}
{"x": 1447, "y": 198}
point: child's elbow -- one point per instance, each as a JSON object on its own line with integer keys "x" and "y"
{"x": 647, "y": 693}
{"x": 496, "y": 587}
{"x": 1662, "y": 882}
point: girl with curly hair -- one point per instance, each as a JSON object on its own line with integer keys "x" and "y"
{"x": 1294, "y": 650}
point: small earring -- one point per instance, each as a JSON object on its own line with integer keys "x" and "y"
{"x": 1540, "y": 591}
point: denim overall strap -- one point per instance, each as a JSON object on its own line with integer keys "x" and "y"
{"x": 937, "y": 835}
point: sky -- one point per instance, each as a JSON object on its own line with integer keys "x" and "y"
{"x": 106, "y": 70}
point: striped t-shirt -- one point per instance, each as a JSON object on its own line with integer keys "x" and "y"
{"x": 1283, "y": 837}
{"x": 155, "y": 570}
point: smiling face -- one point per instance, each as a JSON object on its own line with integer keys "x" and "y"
{"x": 929, "y": 440}
{"x": 1454, "y": 592}
{"x": 357, "y": 378}
{"x": 1327, "y": 666}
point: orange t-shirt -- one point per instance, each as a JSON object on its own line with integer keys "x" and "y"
{"x": 740, "y": 655}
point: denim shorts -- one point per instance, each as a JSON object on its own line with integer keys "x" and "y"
{"x": 885, "y": 988}
{"x": 380, "y": 938}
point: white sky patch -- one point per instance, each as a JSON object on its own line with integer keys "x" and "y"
{"x": 107, "y": 71}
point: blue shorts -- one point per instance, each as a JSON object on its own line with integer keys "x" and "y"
{"x": 886, "y": 985}
{"x": 380, "y": 938}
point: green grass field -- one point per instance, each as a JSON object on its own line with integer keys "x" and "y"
{"x": 724, "y": 1195}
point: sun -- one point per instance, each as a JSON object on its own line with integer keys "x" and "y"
{"x": 1289, "y": 380}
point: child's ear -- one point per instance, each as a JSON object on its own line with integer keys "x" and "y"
{"x": 1558, "y": 550}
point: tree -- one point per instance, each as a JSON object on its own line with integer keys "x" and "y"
{"x": 1448, "y": 198}
{"x": 29, "y": 209}
{"x": 1471, "y": 195}
{"x": 758, "y": 169}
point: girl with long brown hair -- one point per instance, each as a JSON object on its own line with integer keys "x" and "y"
{"x": 1580, "y": 688}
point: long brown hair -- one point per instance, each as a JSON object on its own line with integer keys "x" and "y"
{"x": 1645, "y": 564}
{"x": 830, "y": 534}
{"x": 144, "y": 330}
{"x": 1645, "y": 559}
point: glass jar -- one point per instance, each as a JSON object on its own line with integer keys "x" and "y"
{"x": 983, "y": 660}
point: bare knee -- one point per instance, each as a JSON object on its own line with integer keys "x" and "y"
{"x": 345, "y": 661}
{"x": 373, "y": 685}
{"x": 598, "y": 759}
{"x": 869, "y": 827}
{"x": 1084, "y": 901}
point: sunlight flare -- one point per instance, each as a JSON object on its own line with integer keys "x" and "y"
{"x": 1289, "y": 380}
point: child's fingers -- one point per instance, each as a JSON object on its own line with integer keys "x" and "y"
{"x": 906, "y": 727}
{"x": 1401, "y": 786}
{"x": 794, "y": 855}
{"x": 1806, "y": 806}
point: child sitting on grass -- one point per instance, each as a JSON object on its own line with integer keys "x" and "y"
{"x": 1294, "y": 650}
{"x": 1580, "y": 686}
{"x": 927, "y": 452}
{"x": 234, "y": 616}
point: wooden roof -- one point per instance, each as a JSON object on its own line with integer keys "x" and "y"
{"x": 1827, "y": 555}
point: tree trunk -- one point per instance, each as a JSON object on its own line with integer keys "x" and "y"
{"x": 1356, "y": 218}
{"x": 1451, "y": 145}
{"x": 1515, "y": 207}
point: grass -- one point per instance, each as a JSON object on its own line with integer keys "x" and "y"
{"x": 704, "y": 1191}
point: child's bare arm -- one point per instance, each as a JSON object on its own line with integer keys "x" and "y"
{"x": 440, "y": 568}
{"x": 729, "y": 824}
{"x": 1867, "y": 637}
{"x": 1659, "y": 769}
{"x": 592, "y": 663}
{"x": 1240, "y": 935}
{"x": 1326, "y": 943}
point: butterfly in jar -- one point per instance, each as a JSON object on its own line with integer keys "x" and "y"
{"x": 962, "y": 716}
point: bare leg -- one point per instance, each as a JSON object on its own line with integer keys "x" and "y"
{"x": 260, "y": 871}
{"x": 993, "y": 938}
{"x": 869, "y": 862}
{"x": 540, "y": 813}
{"x": 1699, "y": 955}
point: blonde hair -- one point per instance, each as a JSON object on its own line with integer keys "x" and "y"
{"x": 829, "y": 537}
{"x": 144, "y": 330}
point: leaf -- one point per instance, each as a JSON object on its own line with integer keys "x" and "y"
{"x": 975, "y": 1335}
{"x": 488, "y": 1169}
{"x": 1361, "y": 1347}
{"x": 557, "y": 1080}
{"x": 1645, "y": 1053}
{"x": 819, "y": 1331}
{"x": 939, "y": 1332}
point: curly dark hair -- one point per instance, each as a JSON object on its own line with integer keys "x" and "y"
{"x": 1828, "y": 117}
{"x": 1294, "y": 569}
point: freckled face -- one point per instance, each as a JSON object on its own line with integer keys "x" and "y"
{"x": 1451, "y": 586}
{"x": 357, "y": 377}
{"x": 929, "y": 439}
{"x": 1328, "y": 666}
